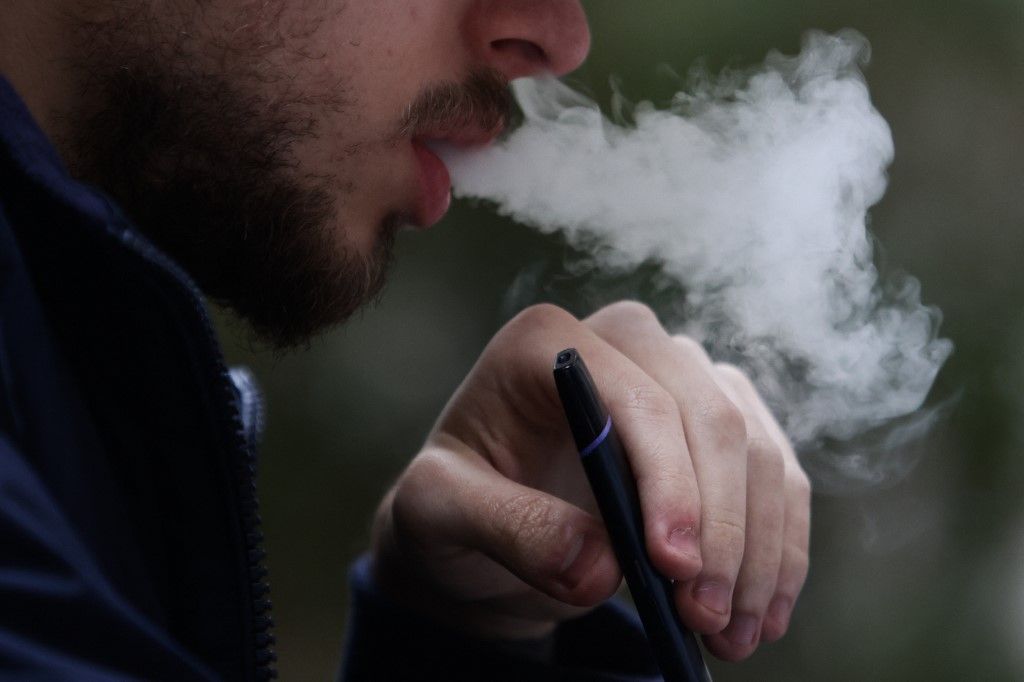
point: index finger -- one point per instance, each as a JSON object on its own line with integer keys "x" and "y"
{"x": 715, "y": 433}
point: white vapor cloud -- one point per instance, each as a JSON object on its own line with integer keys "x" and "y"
{"x": 752, "y": 190}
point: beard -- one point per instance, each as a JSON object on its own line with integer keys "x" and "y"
{"x": 204, "y": 165}
{"x": 205, "y": 173}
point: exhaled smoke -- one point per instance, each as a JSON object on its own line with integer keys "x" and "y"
{"x": 752, "y": 190}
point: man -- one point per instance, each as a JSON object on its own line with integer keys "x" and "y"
{"x": 266, "y": 151}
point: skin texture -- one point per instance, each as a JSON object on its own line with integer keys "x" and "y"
{"x": 493, "y": 527}
{"x": 269, "y": 147}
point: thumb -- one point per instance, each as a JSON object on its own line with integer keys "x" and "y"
{"x": 548, "y": 543}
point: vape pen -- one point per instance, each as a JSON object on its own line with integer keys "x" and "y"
{"x": 675, "y": 647}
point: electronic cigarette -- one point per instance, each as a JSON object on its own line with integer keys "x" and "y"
{"x": 675, "y": 648}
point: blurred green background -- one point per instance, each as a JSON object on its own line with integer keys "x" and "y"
{"x": 921, "y": 580}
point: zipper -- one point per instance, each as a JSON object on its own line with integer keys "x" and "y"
{"x": 217, "y": 378}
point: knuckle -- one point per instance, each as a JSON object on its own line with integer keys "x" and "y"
{"x": 738, "y": 380}
{"x": 543, "y": 316}
{"x": 726, "y": 534}
{"x": 766, "y": 456}
{"x": 735, "y": 376}
{"x": 689, "y": 346}
{"x": 630, "y": 313}
{"x": 720, "y": 416}
{"x": 417, "y": 486}
{"x": 754, "y": 594}
{"x": 651, "y": 399}
{"x": 421, "y": 474}
{"x": 793, "y": 572}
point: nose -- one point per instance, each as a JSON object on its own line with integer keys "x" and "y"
{"x": 528, "y": 37}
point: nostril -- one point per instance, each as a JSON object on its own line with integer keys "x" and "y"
{"x": 526, "y": 55}
{"x": 523, "y": 38}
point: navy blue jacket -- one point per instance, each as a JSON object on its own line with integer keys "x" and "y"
{"x": 129, "y": 534}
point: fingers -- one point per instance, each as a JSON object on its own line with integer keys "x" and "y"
{"x": 755, "y": 509}
{"x": 762, "y": 555}
{"x": 647, "y": 420}
{"x": 795, "y": 554}
{"x": 724, "y": 500}
{"x": 445, "y": 500}
{"x": 715, "y": 434}
{"x": 796, "y": 495}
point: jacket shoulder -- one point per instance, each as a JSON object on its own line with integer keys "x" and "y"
{"x": 89, "y": 631}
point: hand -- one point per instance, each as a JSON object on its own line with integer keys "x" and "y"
{"x": 493, "y": 529}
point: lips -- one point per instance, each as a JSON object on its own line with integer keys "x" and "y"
{"x": 435, "y": 184}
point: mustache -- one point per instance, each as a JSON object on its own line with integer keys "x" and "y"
{"x": 483, "y": 101}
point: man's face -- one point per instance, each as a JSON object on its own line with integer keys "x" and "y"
{"x": 274, "y": 146}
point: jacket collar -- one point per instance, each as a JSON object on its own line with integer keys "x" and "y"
{"x": 31, "y": 155}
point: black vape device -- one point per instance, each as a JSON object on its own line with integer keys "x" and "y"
{"x": 675, "y": 648}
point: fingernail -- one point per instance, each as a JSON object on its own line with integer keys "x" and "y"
{"x": 572, "y": 555}
{"x": 779, "y": 611}
{"x": 685, "y": 542}
{"x": 575, "y": 565}
{"x": 742, "y": 630}
{"x": 713, "y": 596}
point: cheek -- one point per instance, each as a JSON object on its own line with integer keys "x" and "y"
{"x": 368, "y": 185}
